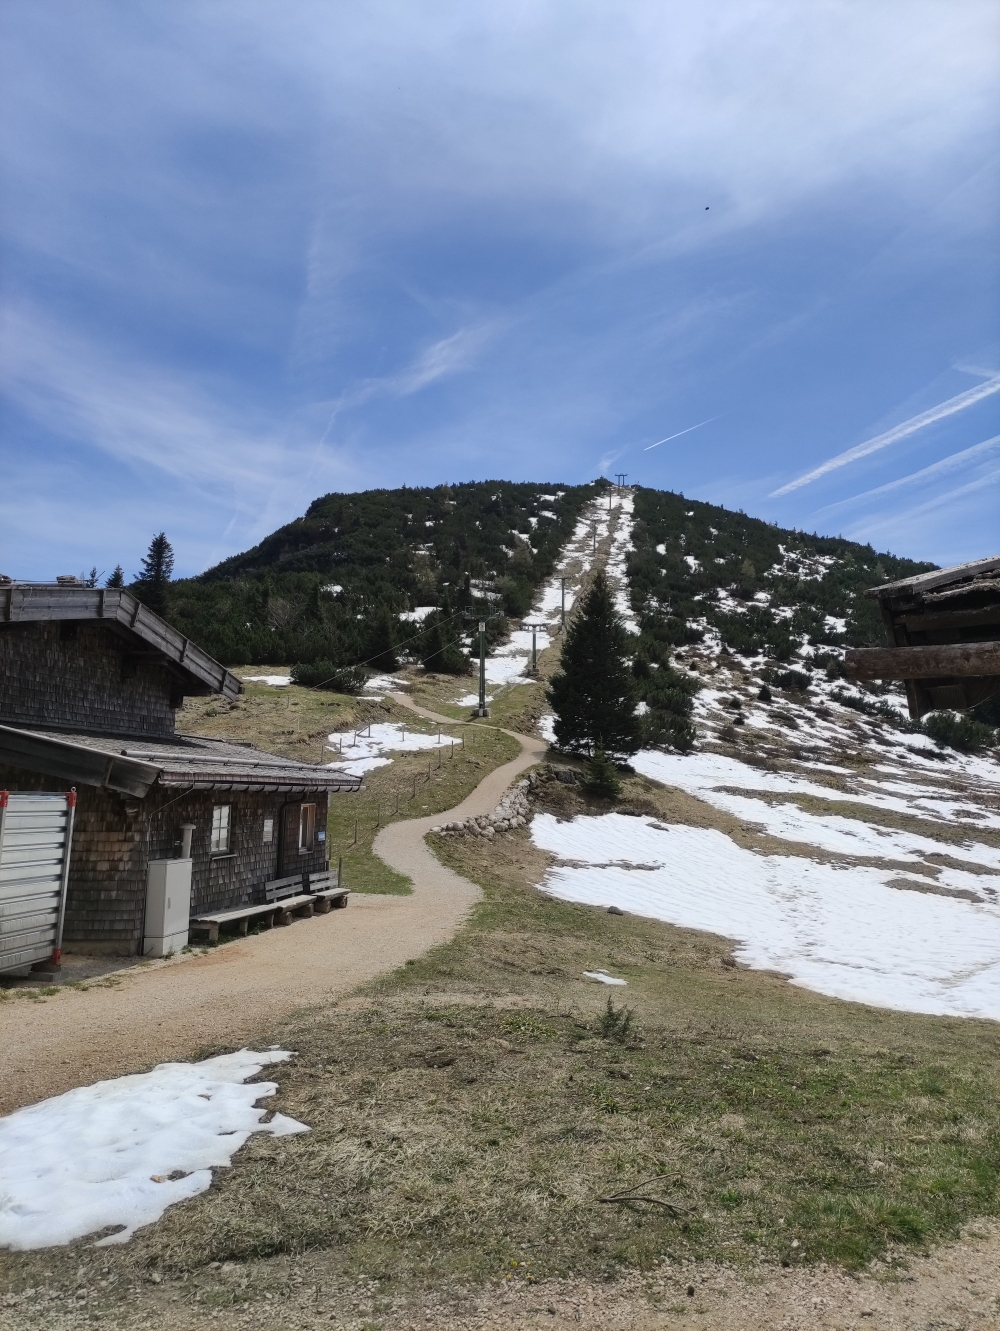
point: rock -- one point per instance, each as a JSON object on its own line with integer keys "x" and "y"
{"x": 566, "y": 775}
{"x": 615, "y": 910}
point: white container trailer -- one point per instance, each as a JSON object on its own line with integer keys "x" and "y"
{"x": 36, "y": 834}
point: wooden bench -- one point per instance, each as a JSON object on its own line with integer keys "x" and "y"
{"x": 284, "y": 898}
{"x": 327, "y": 891}
{"x": 241, "y": 916}
{"x": 287, "y": 898}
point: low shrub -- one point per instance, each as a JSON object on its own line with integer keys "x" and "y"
{"x": 325, "y": 675}
{"x": 954, "y": 731}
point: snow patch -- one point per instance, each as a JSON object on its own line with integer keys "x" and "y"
{"x": 835, "y": 929}
{"x": 118, "y": 1153}
{"x": 362, "y": 751}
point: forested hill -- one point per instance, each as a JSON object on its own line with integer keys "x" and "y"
{"x": 332, "y": 585}
{"x": 762, "y": 587}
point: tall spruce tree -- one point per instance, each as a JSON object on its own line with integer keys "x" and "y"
{"x": 594, "y": 696}
{"x": 117, "y": 578}
{"x": 151, "y": 584}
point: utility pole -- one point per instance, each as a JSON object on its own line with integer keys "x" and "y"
{"x": 534, "y": 648}
{"x": 482, "y": 709}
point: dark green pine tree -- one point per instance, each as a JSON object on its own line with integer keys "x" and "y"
{"x": 594, "y": 696}
{"x": 439, "y": 651}
{"x": 151, "y": 584}
{"x": 380, "y": 644}
{"x": 117, "y": 578}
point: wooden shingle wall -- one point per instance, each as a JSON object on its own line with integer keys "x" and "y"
{"x": 111, "y": 849}
{"x": 81, "y": 675}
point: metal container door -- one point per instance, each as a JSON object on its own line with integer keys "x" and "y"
{"x": 36, "y": 833}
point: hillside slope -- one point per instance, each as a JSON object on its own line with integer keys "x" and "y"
{"x": 332, "y": 584}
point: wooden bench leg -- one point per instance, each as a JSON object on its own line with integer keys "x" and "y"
{"x": 282, "y": 918}
{"x": 340, "y": 903}
{"x": 322, "y": 906}
{"x": 242, "y": 926}
{"x": 306, "y": 911}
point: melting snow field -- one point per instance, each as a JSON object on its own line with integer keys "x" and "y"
{"x": 836, "y": 929}
{"x": 118, "y": 1153}
{"x": 713, "y": 777}
{"x": 359, "y": 752}
{"x": 276, "y": 681}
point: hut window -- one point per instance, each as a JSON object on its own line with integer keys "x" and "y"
{"x": 220, "y": 828}
{"x": 307, "y": 827}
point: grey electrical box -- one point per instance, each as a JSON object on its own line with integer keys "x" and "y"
{"x": 168, "y": 907}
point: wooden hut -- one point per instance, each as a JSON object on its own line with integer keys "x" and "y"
{"x": 90, "y": 680}
{"x": 943, "y": 630}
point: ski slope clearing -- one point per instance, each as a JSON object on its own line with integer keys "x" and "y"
{"x": 603, "y": 519}
{"x": 116, "y": 1154}
{"x": 838, "y": 929}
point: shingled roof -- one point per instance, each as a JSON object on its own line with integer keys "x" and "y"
{"x": 125, "y": 615}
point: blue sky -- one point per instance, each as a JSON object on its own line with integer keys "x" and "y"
{"x": 254, "y": 252}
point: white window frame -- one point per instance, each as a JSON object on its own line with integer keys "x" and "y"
{"x": 221, "y": 828}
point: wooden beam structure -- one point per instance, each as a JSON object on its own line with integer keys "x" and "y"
{"x": 941, "y": 661}
{"x": 943, "y": 633}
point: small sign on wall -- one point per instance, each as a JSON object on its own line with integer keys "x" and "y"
{"x": 320, "y": 836}
{"x": 268, "y": 831}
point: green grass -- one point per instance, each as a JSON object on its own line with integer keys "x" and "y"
{"x": 413, "y": 786}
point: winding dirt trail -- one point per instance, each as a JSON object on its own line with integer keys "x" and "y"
{"x": 182, "y": 1008}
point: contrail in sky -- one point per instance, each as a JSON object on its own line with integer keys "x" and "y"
{"x": 679, "y": 433}
{"x": 936, "y": 468}
{"x": 915, "y": 423}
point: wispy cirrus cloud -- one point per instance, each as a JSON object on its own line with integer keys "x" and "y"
{"x": 919, "y": 422}
{"x": 448, "y": 356}
{"x": 953, "y": 462}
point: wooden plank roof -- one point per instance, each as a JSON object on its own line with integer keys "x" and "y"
{"x": 133, "y": 767}
{"x": 24, "y": 603}
{"x": 940, "y": 577}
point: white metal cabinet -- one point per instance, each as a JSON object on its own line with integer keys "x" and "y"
{"x": 168, "y": 907}
{"x": 36, "y": 834}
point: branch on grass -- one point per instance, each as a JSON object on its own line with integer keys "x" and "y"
{"x": 632, "y": 1194}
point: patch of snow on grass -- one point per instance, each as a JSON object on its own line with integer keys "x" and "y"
{"x": 276, "y": 681}
{"x": 602, "y": 977}
{"x": 836, "y": 930}
{"x": 721, "y": 781}
{"x": 418, "y": 614}
{"x": 118, "y": 1153}
{"x": 363, "y": 750}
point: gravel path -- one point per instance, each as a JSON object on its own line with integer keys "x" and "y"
{"x": 192, "y": 1005}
